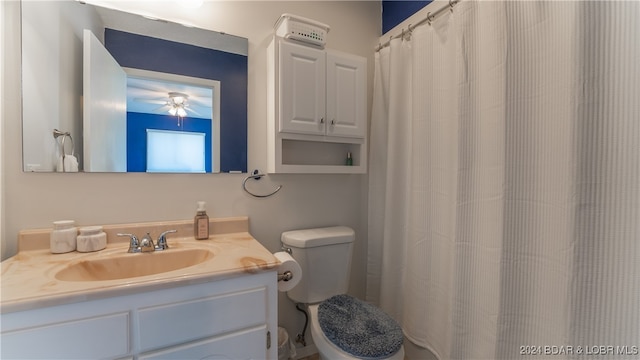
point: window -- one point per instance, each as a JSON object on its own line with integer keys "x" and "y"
{"x": 175, "y": 151}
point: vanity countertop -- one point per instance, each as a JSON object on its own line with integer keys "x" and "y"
{"x": 29, "y": 282}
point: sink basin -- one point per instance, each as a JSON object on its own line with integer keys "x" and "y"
{"x": 133, "y": 265}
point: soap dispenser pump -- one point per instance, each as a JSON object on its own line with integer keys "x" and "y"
{"x": 201, "y": 223}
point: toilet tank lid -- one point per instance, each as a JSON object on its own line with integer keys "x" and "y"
{"x": 318, "y": 237}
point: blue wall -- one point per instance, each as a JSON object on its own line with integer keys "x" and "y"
{"x": 396, "y": 11}
{"x": 148, "y": 53}
{"x": 137, "y": 125}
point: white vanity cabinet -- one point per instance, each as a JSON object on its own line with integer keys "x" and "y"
{"x": 317, "y": 109}
{"x": 233, "y": 318}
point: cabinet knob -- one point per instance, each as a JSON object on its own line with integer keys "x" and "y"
{"x": 321, "y": 120}
{"x": 333, "y": 122}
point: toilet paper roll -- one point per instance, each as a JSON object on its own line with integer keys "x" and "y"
{"x": 288, "y": 264}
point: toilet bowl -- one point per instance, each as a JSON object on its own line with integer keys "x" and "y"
{"x": 326, "y": 348}
{"x": 324, "y": 255}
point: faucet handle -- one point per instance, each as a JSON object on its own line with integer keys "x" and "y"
{"x": 134, "y": 243}
{"x": 162, "y": 240}
{"x": 146, "y": 244}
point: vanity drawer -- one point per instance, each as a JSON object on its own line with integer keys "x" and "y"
{"x": 98, "y": 337}
{"x": 183, "y": 321}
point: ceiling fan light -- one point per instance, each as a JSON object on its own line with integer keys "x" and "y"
{"x": 181, "y": 112}
{"x": 173, "y": 111}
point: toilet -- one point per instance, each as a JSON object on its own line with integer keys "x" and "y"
{"x": 342, "y": 327}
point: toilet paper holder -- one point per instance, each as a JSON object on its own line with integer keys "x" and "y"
{"x": 285, "y": 276}
{"x": 286, "y": 249}
{"x": 289, "y": 272}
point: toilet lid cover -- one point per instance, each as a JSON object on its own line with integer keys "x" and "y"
{"x": 359, "y": 328}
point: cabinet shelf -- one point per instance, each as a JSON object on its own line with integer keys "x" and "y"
{"x": 318, "y": 156}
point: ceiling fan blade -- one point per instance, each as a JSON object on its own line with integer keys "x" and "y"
{"x": 191, "y": 110}
{"x": 151, "y": 101}
{"x": 163, "y": 107}
{"x": 200, "y": 103}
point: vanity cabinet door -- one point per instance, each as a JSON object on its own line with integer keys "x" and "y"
{"x": 246, "y": 344}
{"x": 195, "y": 319}
{"x": 96, "y": 337}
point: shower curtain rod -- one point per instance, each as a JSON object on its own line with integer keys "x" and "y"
{"x": 430, "y": 17}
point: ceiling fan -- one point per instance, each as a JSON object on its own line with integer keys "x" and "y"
{"x": 161, "y": 97}
{"x": 176, "y": 104}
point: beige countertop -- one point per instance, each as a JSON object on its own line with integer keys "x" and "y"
{"x": 29, "y": 278}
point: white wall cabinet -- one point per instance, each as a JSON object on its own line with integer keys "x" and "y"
{"x": 222, "y": 319}
{"x": 302, "y": 89}
{"x": 317, "y": 109}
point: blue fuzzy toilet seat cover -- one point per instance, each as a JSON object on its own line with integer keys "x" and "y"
{"x": 359, "y": 328}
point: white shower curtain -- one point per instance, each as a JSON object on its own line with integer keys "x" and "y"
{"x": 504, "y": 191}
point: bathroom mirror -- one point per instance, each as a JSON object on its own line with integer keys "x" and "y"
{"x": 178, "y": 80}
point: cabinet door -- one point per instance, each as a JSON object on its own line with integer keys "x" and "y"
{"x": 246, "y": 344}
{"x": 302, "y": 89}
{"x": 99, "y": 337}
{"x": 204, "y": 317}
{"x": 346, "y": 95}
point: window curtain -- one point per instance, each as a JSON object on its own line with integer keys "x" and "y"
{"x": 504, "y": 184}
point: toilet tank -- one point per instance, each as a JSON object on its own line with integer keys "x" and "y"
{"x": 324, "y": 254}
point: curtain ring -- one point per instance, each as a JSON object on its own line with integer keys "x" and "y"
{"x": 451, "y": 4}
{"x": 429, "y": 18}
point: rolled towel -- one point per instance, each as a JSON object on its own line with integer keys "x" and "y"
{"x": 70, "y": 164}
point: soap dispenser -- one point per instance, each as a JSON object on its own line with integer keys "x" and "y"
{"x": 201, "y": 223}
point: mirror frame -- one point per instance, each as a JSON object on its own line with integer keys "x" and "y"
{"x": 234, "y": 82}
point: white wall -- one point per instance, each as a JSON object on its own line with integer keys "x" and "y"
{"x": 34, "y": 200}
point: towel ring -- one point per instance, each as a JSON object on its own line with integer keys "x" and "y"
{"x": 257, "y": 176}
{"x": 57, "y": 133}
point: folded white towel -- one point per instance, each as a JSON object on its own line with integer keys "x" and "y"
{"x": 70, "y": 164}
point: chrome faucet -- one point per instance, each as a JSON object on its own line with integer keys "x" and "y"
{"x": 134, "y": 243}
{"x": 146, "y": 244}
{"x": 162, "y": 240}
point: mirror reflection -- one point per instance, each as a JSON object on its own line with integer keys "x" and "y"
{"x": 126, "y": 93}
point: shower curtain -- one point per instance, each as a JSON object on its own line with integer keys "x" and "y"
{"x": 504, "y": 182}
